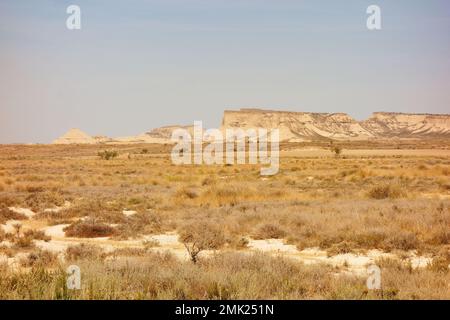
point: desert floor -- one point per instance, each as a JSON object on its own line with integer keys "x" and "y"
{"x": 140, "y": 227}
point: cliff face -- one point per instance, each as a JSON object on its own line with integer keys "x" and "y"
{"x": 385, "y": 124}
{"x": 302, "y": 126}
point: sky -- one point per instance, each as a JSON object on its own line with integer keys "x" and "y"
{"x": 140, "y": 64}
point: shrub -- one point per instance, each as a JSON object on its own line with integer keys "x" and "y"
{"x": 107, "y": 154}
{"x": 186, "y": 193}
{"x": 340, "y": 248}
{"x": 208, "y": 181}
{"x": 7, "y": 214}
{"x": 390, "y": 191}
{"x": 84, "y": 251}
{"x": 151, "y": 243}
{"x": 402, "y": 241}
{"x": 197, "y": 237}
{"x": 139, "y": 224}
{"x": 89, "y": 229}
{"x": 336, "y": 150}
{"x": 40, "y": 258}
{"x": 441, "y": 263}
{"x": 128, "y": 252}
{"x": 238, "y": 243}
{"x": 269, "y": 231}
{"x": 23, "y": 242}
{"x": 7, "y": 201}
{"x": 36, "y": 235}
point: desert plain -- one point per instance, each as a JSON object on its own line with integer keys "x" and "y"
{"x": 140, "y": 227}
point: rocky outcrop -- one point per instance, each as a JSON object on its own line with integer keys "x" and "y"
{"x": 388, "y": 124}
{"x": 299, "y": 126}
{"x": 305, "y": 126}
{"x": 166, "y": 132}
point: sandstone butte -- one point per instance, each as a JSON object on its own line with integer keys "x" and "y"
{"x": 300, "y": 126}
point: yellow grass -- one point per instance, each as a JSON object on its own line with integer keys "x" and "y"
{"x": 394, "y": 200}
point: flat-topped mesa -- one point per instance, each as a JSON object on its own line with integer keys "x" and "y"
{"x": 301, "y": 126}
{"x": 297, "y": 126}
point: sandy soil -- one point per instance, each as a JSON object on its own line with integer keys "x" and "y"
{"x": 350, "y": 262}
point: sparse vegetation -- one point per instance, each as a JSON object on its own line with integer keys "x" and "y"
{"x": 107, "y": 154}
{"x": 199, "y": 236}
{"x": 395, "y": 203}
{"x": 90, "y": 228}
{"x": 386, "y": 191}
{"x": 269, "y": 231}
{"x": 337, "y": 150}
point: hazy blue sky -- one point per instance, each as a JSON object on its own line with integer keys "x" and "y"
{"x": 140, "y": 64}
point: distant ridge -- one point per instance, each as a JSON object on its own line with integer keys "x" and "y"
{"x": 306, "y": 126}
{"x": 300, "y": 126}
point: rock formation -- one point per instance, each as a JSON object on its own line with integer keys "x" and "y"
{"x": 305, "y": 126}
{"x": 75, "y": 136}
{"x": 300, "y": 126}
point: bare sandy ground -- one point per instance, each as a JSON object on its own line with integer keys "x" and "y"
{"x": 350, "y": 262}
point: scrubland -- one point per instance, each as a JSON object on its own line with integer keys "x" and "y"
{"x": 350, "y": 205}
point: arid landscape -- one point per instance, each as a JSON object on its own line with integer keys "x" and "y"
{"x": 140, "y": 227}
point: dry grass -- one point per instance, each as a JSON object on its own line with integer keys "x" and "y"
{"x": 224, "y": 276}
{"x": 386, "y": 191}
{"x": 84, "y": 252}
{"x": 7, "y": 214}
{"x": 269, "y": 231}
{"x": 357, "y": 202}
{"x": 40, "y": 259}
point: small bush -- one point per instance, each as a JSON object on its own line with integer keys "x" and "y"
{"x": 40, "y": 258}
{"x": 197, "y": 237}
{"x": 186, "y": 193}
{"x": 7, "y": 214}
{"x": 150, "y": 243}
{"x": 128, "y": 252}
{"x": 23, "y": 242}
{"x": 402, "y": 241}
{"x": 441, "y": 263}
{"x": 238, "y": 243}
{"x": 340, "y": 248}
{"x": 36, "y": 235}
{"x": 84, "y": 251}
{"x": 41, "y": 200}
{"x": 7, "y": 201}
{"x": 386, "y": 191}
{"x": 89, "y": 229}
{"x": 107, "y": 154}
{"x": 269, "y": 231}
{"x": 336, "y": 150}
{"x": 139, "y": 224}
